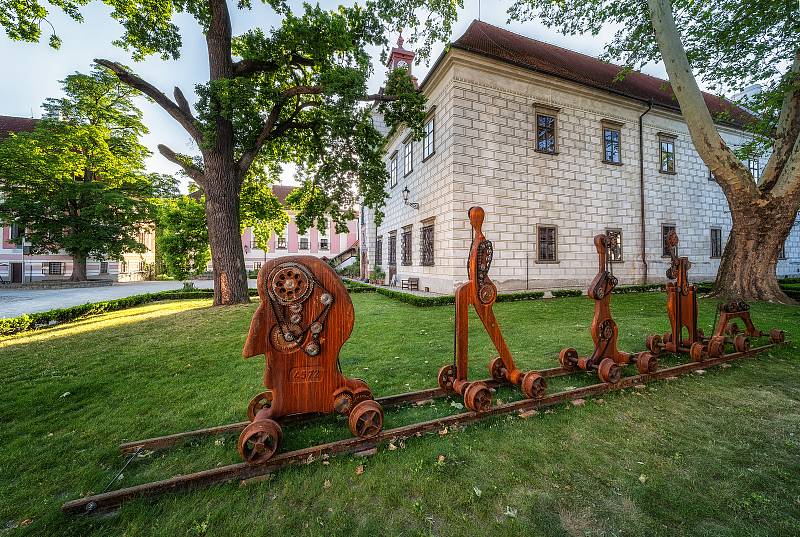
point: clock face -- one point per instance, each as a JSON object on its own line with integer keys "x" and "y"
{"x": 402, "y": 63}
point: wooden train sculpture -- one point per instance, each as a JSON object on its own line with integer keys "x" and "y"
{"x": 480, "y": 292}
{"x": 305, "y": 317}
{"x": 684, "y": 335}
{"x": 606, "y": 358}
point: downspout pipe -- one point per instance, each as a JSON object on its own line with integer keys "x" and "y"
{"x": 641, "y": 187}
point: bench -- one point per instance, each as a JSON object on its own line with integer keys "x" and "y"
{"x": 412, "y": 284}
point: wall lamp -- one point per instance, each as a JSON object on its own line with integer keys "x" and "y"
{"x": 411, "y": 204}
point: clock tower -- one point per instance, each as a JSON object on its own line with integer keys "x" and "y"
{"x": 401, "y": 58}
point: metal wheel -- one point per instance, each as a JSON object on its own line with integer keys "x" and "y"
{"x": 741, "y": 343}
{"x": 646, "y": 363}
{"x": 716, "y": 346}
{"x": 290, "y": 283}
{"x": 447, "y": 375}
{"x": 259, "y": 441}
{"x": 259, "y": 402}
{"x": 366, "y": 419}
{"x": 534, "y": 385}
{"x": 654, "y": 344}
{"x": 343, "y": 401}
{"x": 667, "y": 337}
{"x": 478, "y": 397}
{"x": 609, "y": 371}
{"x": 497, "y": 369}
{"x": 732, "y": 329}
{"x": 776, "y": 336}
{"x": 568, "y": 358}
{"x": 696, "y": 351}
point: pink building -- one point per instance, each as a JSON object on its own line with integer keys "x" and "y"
{"x": 313, "y": 242}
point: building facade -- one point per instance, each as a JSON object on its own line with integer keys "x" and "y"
{"x": 555, "y": 151}
{"x": 325, "y": 244}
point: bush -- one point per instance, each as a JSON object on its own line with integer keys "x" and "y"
{"x": 561, "y": 293}
{"x": 649, "y": 288}
{"x": 523, "y": 295}
{"x": 14, "y": 325}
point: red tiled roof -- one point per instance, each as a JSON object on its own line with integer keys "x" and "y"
{"x": 15, "y": 124}
{"x": 497, "y": 43}
{"x": 281, "y": 191}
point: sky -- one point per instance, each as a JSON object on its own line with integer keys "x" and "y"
{"x": 31, "y": 72}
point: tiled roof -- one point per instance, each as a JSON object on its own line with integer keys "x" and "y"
{"x": 281, "y": 191}
{"x": 499, "y": 44}
{"x": 15, "y": 124}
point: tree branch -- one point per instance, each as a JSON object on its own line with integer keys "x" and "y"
{"x": 731, "y": 174}
{"x": 183, "y": 104}
{"x": 787, "y": 131}
{"x": 187, "y": 121}
{"x": 250, "y": 67}
{"x": 185, "y": 163}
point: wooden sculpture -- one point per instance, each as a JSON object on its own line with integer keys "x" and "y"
{"x": 481, "y": 293}
{"x": 304, "y": 318}
{"x": 682, "y": 311}
{"x": 606, "y": 358}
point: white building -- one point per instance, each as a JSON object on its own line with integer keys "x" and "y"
{"x": 555, "y": 151}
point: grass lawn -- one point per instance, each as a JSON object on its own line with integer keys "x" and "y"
{"x": 712, "y": 454}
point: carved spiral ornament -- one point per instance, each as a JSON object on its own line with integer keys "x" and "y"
{"x": 487, "y": 293}
{"x": 281, "y": 342}
{"x": 290, "y": 283}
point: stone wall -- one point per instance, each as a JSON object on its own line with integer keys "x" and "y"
{"x": 486, "y": 114}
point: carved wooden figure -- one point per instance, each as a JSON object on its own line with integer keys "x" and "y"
{"x": 304, "y": 318}
{"x": 481, "y": 293}
{"x": 682, "y": 310}
{"x": 606, "y": 358}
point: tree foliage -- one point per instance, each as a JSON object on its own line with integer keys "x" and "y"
{"x": 77, "y": 182}
{"x": 182, "y": 236}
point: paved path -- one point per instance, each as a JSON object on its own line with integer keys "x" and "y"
{"x": 15, "y": 302}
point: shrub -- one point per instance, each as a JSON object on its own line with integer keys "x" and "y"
{"x": 650, "y": 287}
{"x": 561, "y": 293}
{"x": 523, "y": 295}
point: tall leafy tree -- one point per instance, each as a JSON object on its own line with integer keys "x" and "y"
{"x": 77, "y": 182}
{"x": 182, "y": 236}
{"x": 728, "y": 45}
{"x": 296, "y": 93}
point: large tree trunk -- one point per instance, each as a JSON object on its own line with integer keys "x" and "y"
{"x": 747, "y": 269}
{"x": 222, "y": 214}
{"x": 78, "y": 269}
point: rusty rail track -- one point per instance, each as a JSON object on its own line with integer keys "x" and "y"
{"x": 161, "y": 442}
{"x": 241, "y": 471}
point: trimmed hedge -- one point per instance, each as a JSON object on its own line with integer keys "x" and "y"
{"x": 561, "y": 293}
{"x": 32, "y": 321}
{"x": 649, "y": 288}
{"x": 523, "y": 295}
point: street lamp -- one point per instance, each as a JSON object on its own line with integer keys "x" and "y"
{"x": 411, "y": 204}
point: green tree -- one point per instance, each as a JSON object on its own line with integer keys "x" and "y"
{"x": 729, "y": 45}
{"x": 76, "y": 183}
{"x": 182, "y": 236}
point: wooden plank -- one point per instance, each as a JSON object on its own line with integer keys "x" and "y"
{"x": 241, "y": 471}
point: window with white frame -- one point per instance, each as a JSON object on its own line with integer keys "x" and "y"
{"x": 324, "y": 242}
{"x": 304, "y": 242}
{"x": 666, "y": 147}
{"x": 755, "y": 168}
{"x": 393, "y": 170}
{"x": 257, "y": 265}
{"x": 408, "y": 161}
{"x": 103, "y": 267}
{"x": 55, "y": 268}
{"x": 612, "y": 146}
{"x": 280, "y": 240}
{"x": 429, "y": 138}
